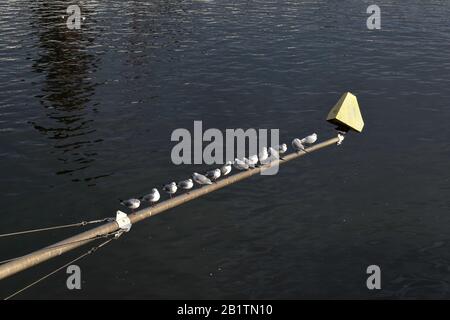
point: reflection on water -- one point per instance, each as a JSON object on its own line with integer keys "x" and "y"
{"x": 69, "y": 84}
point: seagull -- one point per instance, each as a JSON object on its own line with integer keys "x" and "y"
{"x": 240, "y": 164}
{"x": 246, "y": 161}
{"x": 274, "y": 155}
{"x": 309, "y": 139}
{"x": 170, "y": 188}
{"x": 282, "y": 148}
{"x": 213, "y": 175}
{"x": 263, "y": 156}
{"x": 226, "y": 168}
{"x": 298, "y": 145}
{"x": 273, "y": 152}
{"x": 131, "y": 203}
{"x": 200, "y": 179}
{"x": 186, "y": 184}
{"x": 152, "y": 197}
{"x": 252, "y": 161}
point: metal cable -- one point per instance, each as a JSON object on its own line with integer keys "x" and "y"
{"x": 67, "y": 243}
{"x": 79, "y": 224}
{"x": 90, "y": 251}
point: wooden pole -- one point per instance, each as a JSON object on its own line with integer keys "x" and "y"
{"x": 22, "y": 263}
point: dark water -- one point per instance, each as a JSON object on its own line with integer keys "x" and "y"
{"x": 86, "y": 118}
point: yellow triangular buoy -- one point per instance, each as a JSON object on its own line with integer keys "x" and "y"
{"x": 346, "y": 114}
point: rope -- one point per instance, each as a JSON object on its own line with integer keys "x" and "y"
{"x": 90, "y": 251}
{"x": 67, "y": 243}
{"x": 82, "y": 223}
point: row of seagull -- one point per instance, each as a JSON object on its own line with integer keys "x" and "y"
{"x": 266, "y": 156}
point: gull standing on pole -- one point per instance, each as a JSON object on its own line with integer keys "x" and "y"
{"x": 310, "y": 139}
{"x": 200, "y": 179}
{"x": 170, "y": 188}
{"x": 213, "y": 175}
{"x": 263, "y": 156}
{"x": 274, "y": 155}
{"x": 298, "y": 145}
{"x": 240, "y": 164}
{"x": 226, "y": 168}
{"x": 152, "y": 197}
{"x": 186, "y": 184}
{"x": 252, "y": 161}
{"x": 131, "y": 203}
{"x": 282, "y": 148}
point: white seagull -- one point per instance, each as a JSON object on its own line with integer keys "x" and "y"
{"x": 252, "y": 161}
{"x": 282, "y": 148}
{"x": 170, "y": 188}
{"x": 310, "y": 139}
{"x": 240, "y": 164}
{"x": 186, "y": 184}
{"x": 263, "y": 156}
{"x": 213, "y": 175}
{"x": 226, "y": 168}
{"x": 152, "y": 197}
{"x": 274, "y": 155}
{"x": 131, "y": 203}
{"x": 298, "y": 145}
{"x": 200, "y": 179}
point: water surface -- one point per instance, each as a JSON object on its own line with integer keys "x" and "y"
{"x": 86, "y": 117}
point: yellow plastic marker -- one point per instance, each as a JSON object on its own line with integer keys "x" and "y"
{"x": 346, "y": 114}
